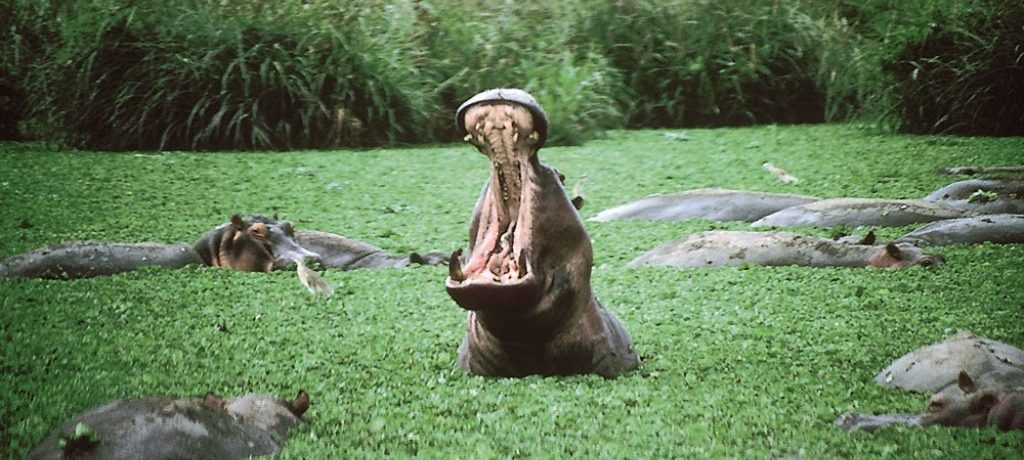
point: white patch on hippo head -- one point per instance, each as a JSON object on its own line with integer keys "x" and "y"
{"x": 265, "y": 412}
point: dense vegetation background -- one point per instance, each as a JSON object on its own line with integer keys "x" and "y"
{"x": 234, "y": 74}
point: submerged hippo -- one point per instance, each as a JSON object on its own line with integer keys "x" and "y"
{"x": 720, "y": 247}
{"x": 994, "y": 228}
{"x": 976, "y": 382}
{"x": 252, "y": 243}
{"x": 165, "y": 428}
{"x": 344, "y": 253}
{"x": 526, "y": 278}
{"x": 855, "y": 212}
{"x": 985, "y": 196}
{"x": 707, "y": 203}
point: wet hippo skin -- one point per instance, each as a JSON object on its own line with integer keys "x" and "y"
{"x": 526, "y": 276}
{"x": 169, "y": 428}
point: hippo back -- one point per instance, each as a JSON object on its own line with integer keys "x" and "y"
{"x": 855, "y": 212}
{"x": 994, "y": 228}
{"x": 934, "y": 368}
{"x": 161, "y": 428}
{"x": 986, "y": 196}
{"x": 710, "y": 203}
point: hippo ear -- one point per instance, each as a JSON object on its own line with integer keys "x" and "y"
{"x": 577, "y": 202}
{"x": 211, "y": 400}
{"x": 236, "y": 221}
{"x": 300, "y": 404}
{"x": 965, "y": 382}
{"x": 868, "y": 239}
{"x": 893, "y": 251}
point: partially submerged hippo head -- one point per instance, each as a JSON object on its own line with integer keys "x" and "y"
{"x": 974, "y": 381}
{"x": 526, "y": 277}
{"x": 168, "y": 428}
{"x": 252, "y": 243}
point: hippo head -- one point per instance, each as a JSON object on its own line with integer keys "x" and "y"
{"x": 252, "y": 243}
{"x": 528, "y": 249}
{"x": 901, "y": 255}
{"x": 977, "y": 407}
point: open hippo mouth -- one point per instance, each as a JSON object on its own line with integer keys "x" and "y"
{"x": 507, "y": 126}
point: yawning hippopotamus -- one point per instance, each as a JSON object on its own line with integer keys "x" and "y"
{"x": 707, "y": 203}
{"x": 165, "y": 428}
{"x": 993, "y": 228}
{"x": 720, "y": 247}
{"x": 984, "y": 196}
{"x": 976, "y": 382}
{"x": 526, "y": 278}
{"x": 855, "y": 212}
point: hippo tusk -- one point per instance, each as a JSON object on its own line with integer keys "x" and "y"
{"x": 469, "y": 137}
{"x": 455, "y": 267}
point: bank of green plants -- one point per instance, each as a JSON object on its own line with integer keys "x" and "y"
{"x": 737, "y": 362}
{"x": 215, "y": 75}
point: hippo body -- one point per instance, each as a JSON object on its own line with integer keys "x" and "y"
{"x": 855, "y": 212}
{"x": 526, "y": 278}
{"x": 709, "y": 203}
{"x": 89, "y": 259}
{"x": 732, "y": 248}
{"x": 166, "y": 428}
{"x": 1007, "y": 196}
{"x": 974, "y": 381}
{"x": 345, "y": 253}
{"x": 994, "y": 228}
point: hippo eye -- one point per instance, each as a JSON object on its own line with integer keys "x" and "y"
{"x": 927, "y": 262}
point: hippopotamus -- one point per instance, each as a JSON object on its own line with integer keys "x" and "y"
{"x": 252, "y": 243}
{"x": 974, "y": 381}
{"x": 169, "y": 428}
{"x": 984, "y": 196}
{"x": 993, "y": 228}
{"x": 344, "y": 253}
{"x": 525, "y": 280}
{"x": 721, "y": 247}
{"x": 854, "y": 212}
{"x": 707, "y": 203}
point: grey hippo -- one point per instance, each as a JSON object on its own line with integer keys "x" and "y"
{"x": 706, "y": 203}
{"x": 974, "y": 381}
{"x": 170, "y": 428}
{"x": 855, "y": 212}
{"x": 732, "y": 248}
{"x": 985, "y": 196}
{"x": 993, "y": 228}
{"x": 525, "y": 279}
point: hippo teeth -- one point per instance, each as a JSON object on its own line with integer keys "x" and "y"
{"x": 455, "y": 267}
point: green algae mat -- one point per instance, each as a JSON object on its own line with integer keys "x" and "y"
{"x": 742, "y": 362}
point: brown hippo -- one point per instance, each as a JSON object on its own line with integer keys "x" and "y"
{"x": 855, "y": 212}
{"x": 526, "y": 277}
{"x": 251, "y": 243}
{"x": 707, "y": 203}
{"x": 993, "y": 228}
{"x": 166, "y": 428}
{"x": 985, "y": 196}
{"x": 976, "y": 382}
{"x": 720, "y": 247}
